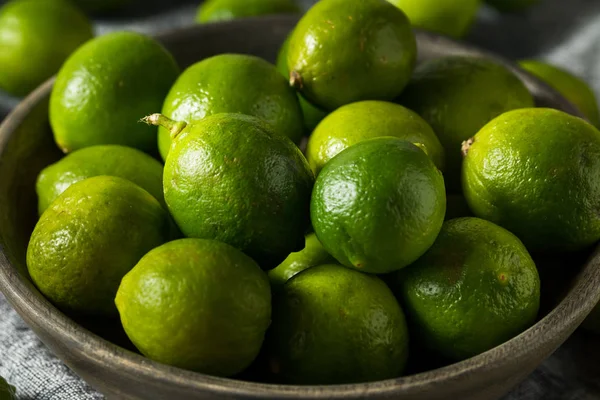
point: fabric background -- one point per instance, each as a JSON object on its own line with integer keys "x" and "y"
{"x": 566, "y": 33}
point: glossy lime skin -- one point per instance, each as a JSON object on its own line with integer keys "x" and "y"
{"x": 230, "y": 177}
{"x": 333, "y": 325}
{"x": 89, "y": 238}
{"x": 313, "y": 254}
{"x": 36, "y": 37}
{"x": 474, "y": 289}
{"x": 105, "y": 87}
{"x": 196, "y": 304}
{"x": 343, "y": 51}
{"x": 363, "y": 120}
{"x": 572, "y": 87}
{"x": 512, "y": 5}
{"x": 457, "y": 96}
{"x": 378, "y": 205}
{"x": 448, "y": 17}
{"x": 7, "y": 392}
{"x": 312, "y": 114}
{"x": 113, "y": 160}
{"x": 233, "y": 83}
{"x": 536, "y": 172}
{"x": 223, "y": 10}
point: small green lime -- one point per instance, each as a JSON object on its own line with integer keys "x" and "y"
{"x": 312, "y": 255}
{"x": 312, "y": 114}
{"x": 196, "y": 304}
{"x": 449, "y": 17}
{"x": 7, "y": 392}
{"x": 230, "y": 177}
{"x": 332, "y": 325}
{"x": 378, "y": 205}
{"x": 112, "y": 160}
{"x": 474, "y": 289}
{"x": 457, "y": 96}
{"x": 36, "y": 37}
{"x": 223, "y": 10}
{"x": 512, "y": 5}
{"x": 356, "y": 122}
{"x": 89, "y": 238}
{"x": 572, "y": 87}
{"x": 105, "y": 87}
{"x": 343, "y": 51}
{"x": 233, "y": 83}
{"x": 536, "y": 172}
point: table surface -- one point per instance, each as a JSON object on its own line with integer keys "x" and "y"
{"x": 564, "y": 33}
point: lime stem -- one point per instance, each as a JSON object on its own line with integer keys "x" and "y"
{"x": 296, "y": 80}
{"x": 466, "y": 145}
{"x": 174, "y": 127}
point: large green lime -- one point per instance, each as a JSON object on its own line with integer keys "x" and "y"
{"x": 474, "y": 289}
{"x": 378, "y": 205}
{"x": 105, "y": 87}
{"x": 343, "y": 51}
{"x": 89, "y": 238}
{"x": 196, "y": 304}
{"x": 36, "y": 37}
{"x": 223, "y": 10}
{"x": 333, "y": 325}
{"x": 536, "y": 172}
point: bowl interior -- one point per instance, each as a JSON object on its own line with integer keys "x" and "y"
{"x": 30, "y": 147}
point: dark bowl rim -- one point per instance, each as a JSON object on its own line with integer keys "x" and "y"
{"x": 570, "y": 312}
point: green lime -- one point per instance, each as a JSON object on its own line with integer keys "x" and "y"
{"x": 511, "y": 5}
{"x": 36, "y": 37}
{"x": 343, "y": 51}
{"x": 536, "y": 172}
{"x": 457, "y": 96}
{"x": 356, "y": 122}
{"x": 474, "y": 289}
{"x": 233, "y": 83}
{"x": 196, "y": 304}
{"x": 378, "y": 205}
{"x": 332, "y": 325}
{"x": 223, "y": 10}
{"x": 89, "y": 238}
{"x": 312, "y": 114}
{"x": 112, "y": 160}
{"x": 105, "y": 87}
{"x": 448, "y": 17}
{"x": 7, "y": 392}
{"x": 231, "y": 178}
{"x": 312, "y": 255}
{"x": 570, "y": 86}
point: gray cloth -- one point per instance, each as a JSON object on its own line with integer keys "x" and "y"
{"x": 564, "y": 32}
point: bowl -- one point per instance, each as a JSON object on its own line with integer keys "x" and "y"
{"x": 26, "y": 146}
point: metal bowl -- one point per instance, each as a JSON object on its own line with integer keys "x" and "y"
{"x": 26, "y": 146}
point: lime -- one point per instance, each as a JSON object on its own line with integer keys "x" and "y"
{"x": 196, "y": 304}
{"x": 223, "y": 10}
{"x": 536, "y": 172}
{"x": 474, "y": 289}
{"x": 333, "y": 325}
{"x": 378, "y": 205}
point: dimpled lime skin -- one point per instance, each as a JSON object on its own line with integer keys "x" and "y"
{"x": 89, "y": 238}
{"x": 196, "y": 304}
{"x": 512, "y": 5}
{"x": 572, "y": 87}
{"x": 536, "y": 172}
{"x": 448, "y": 17}
{"x": 343, "y": 51}
{"x": 476, "y": 288}
{"x": 113, "y": 160}
{"x": 230, "y": 177}
{"x": 355, "y": 122}
{"x": 378, "y": 205}
{"x": 233, "y": 83}
{"x": 36, "y": 37}
{"x": 223, "y": 10}
{"x": 457, "y": 96}
{"x": 312, "y": 255}
{"x": 312, "y": 114}
{"x": 105, "y": 87}
{"x": 333, "y": 325}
